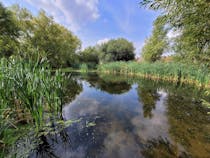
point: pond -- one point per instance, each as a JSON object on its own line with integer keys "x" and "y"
{"x": 124, "y": 117}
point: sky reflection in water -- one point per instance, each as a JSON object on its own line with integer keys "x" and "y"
{"x": 130, "y": 119}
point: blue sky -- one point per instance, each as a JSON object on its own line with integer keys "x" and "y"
{"x": 96, "y": 21}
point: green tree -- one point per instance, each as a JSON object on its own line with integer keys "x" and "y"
{"x": 23, "y": 18}
{"x": 9, "y": 33}
{"x": 156, "y": 45}
{"x": 148, "y": 97}
{"x": 58, "y": 42}
{"x": 90, "y": 56}
{"x": 191, "y": 19}
{"x": 117, "y": 50}
{"x": 51, "y": 39}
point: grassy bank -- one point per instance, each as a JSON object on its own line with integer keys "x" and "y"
{"x": 173, "y": 72}
{"x": 83, "y": 68}
{"x": 26, "y": 89}
{"x": 30, "y": 94}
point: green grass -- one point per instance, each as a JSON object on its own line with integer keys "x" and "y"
{"x": 84, "y": 68}
{"x": 173, "y": 72}
{"x": 29, "y": 92}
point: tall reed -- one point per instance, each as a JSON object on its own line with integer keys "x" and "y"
{"x": 83, "y": 68}
{"x": 174, "y": 72}
{"x": 28, "y": 91}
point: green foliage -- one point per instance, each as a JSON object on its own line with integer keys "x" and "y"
{"x": 26, "y": 91}
{"x": 112, "y": 85}
{"x": 83, "y": 68}
{"x": 52, "y": 40}
{"x": 148, "y": 98}
{"x": 175, "y": 72}
{"x": 114, "y": 50}
{"x": 31, "y": 95}
{"x": 8, "y": 32}
{"x": 157, "y": 43}
{"x": 59, "y": 43}
{"x": 117, "y": 50}
{"x": 90, "y": 56}
{"x": 191, "y": 20}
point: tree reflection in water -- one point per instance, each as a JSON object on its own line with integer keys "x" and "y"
{"x": 148, "y": 97}
{"x": 130, "y": 118}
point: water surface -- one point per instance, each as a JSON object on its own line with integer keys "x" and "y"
{"x": 121, "y": 117}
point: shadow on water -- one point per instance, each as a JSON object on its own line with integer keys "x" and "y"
{"x": 110, "y": 86}
{"x": 148, "y": 98}
{"x": 128, "y": 117}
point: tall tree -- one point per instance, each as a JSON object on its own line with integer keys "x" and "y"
{"x": 51, "y": 39}
{"x": 117, "y": 50}
{"x": 156, "y": 45}
{"x": 9, "y": 32}
{"x": 58, "y": 42}
{"x": 90, "y": 56}
{"x": 192, "y": 20}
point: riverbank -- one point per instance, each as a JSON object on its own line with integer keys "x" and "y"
{"x": 173, "y": 72}
{"x": 77, "y": 70}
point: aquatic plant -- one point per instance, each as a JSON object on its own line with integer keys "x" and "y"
{"x": 29, "y": 92}
{"x": 83, "y": 68}
{"x": 205, "y": 102}
{"x": 162, "y": 148}
{"x": 173, "y": 72}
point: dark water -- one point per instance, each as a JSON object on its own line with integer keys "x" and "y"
{"x": 122, "y": 117}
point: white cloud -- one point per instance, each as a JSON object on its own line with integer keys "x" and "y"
{"x": 138, "y": 46}
{"x": 102, "y": 41}
{"x": 72, "y": 13}
{"x": 123, "y": 16}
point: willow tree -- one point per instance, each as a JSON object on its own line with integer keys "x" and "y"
{"x": 157, "y": 43}
{"x": 192, "y": 20}
{"x": 41, "y": 32}
{"x": 9, "y": 32}
{"x": 58, "y": 42}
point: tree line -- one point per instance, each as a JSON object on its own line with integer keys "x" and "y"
{"x": 114, "y": 50}
{"x": 23, "y": 34}
{"x": 28, "y": 36}
{"x": 190, "y": 21}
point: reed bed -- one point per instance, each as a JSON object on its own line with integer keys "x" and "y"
{"x": 83, "y": 68}
{"x": 29, "y": 92}
{"x": 173, "y": 72}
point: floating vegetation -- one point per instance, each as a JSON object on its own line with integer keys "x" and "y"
{"x": 26, "y": 91}
{"x": 90, "y": 124}
{"x": 29, "y": 94}
{"x": 162, "y": 148}
{"x": 56, "y": 127}
{"x": 205, "y": 103}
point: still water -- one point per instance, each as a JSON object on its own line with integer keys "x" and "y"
{"x": 123, "y": 117}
